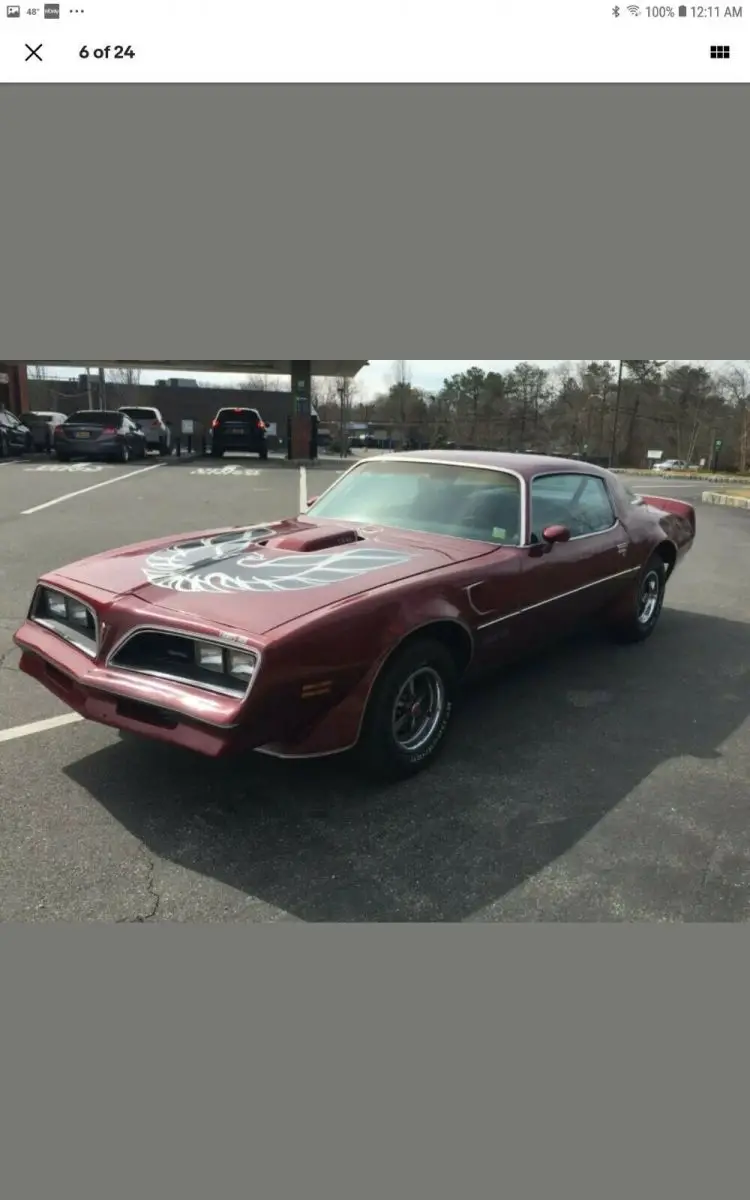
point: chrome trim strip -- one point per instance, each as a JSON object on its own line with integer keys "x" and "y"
{"x": 45, "y": 622}
{"x": 209, "y": 639}
{"x": 561, "y": 596}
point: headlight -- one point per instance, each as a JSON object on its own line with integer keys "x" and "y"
{"x": 56, "y": 605}
{"x": 78, "y": 614}
{"x": 209, "y": 657}
{"x": 235, "y": 664}
{"x": 241, "y": 666}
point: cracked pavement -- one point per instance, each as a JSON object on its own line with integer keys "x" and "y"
{"x": 597, "y": 783}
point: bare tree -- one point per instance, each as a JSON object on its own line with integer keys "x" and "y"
{"x": 735, "y": 382}
{"x": 262, "y": 383}
{"x": 402, "y": 373}
{"x": 127, "y": 376}
{"x": 342, "y": 393}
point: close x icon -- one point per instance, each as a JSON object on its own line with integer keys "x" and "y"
{"x": 34, "y": 52}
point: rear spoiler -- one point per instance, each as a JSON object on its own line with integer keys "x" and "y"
{"x": 668, "y": 504}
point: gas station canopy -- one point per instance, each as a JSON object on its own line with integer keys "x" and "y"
{"x": 319, "y": 367}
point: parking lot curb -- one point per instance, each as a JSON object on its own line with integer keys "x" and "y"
{"x": 688, "y": 476}
{"x": 728, "y": 501}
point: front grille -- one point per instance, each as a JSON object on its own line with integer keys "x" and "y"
{"x": 177, "y": 657}
{"x": 68, "y": 617}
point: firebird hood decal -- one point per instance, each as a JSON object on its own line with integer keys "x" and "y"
{"x": 225, "y": 564}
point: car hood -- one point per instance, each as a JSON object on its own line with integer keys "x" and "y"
{"x": 257, "y": 578}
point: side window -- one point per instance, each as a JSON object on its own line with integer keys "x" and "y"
{"x": 580, "y": 502}
{"x": 595, "y": 512}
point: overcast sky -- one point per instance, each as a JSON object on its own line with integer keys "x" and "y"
{"x": 380, "y": 374}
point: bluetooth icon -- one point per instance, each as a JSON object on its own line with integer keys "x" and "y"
{"x": 616, "y": 11}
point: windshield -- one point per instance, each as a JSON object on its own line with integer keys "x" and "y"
{"x": 466, "y": 502}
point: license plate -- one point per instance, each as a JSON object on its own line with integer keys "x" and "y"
{"x": 83, "y": 433}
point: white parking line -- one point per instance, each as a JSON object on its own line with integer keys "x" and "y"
{"x": 19, "y": 731}
{"x": 82, "y": 491}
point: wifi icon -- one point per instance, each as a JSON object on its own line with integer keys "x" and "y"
{"x": 634, "y": 10}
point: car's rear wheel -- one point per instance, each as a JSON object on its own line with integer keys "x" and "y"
{"x": 163, "y": 449}
{"x": 640, "y": 622}
{"x": 63, "y": 458}
{"x": 216, "y": 453}
{"x": 409, "y": 711}
{"x": 263, "y": 454}
{"x": 124, "y": 454}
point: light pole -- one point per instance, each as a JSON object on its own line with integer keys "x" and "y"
{"x": 613, "y": 446}
{"x": 342, "y": 428}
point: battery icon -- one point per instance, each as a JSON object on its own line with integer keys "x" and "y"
{"x": 682, "y": 10}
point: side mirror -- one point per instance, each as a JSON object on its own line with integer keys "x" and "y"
{"x": 556, "y": 533}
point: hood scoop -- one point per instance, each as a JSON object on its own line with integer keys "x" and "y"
{"x": 311, "y": 539}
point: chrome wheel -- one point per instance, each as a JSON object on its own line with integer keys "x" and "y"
{"x": 648, "y": 599}
{"x": 418, "y": 710}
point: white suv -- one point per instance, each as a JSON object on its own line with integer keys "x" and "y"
{"x": 151, "y": 422}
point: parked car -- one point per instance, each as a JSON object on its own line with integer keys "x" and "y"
{"x": 154, "y": 427}
{"x": 238, "y": 429}
{"x": 42, "y": 426}
{"x": 671, "y": 464}
{"x": 15, "y": 438}
{"x": 353, "y": 625}
{"x": 99, "y": 433}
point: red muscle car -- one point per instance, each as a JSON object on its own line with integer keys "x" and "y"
{"x": 353, "y": 624}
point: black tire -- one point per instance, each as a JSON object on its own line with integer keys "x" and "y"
{"x": 164, "y": 449}
{"x": 263, "y": 454}
{"x": 216, "y": 453}
{"x": 379, "y": 750}
{"x": 641, "y": 623}
{"x": 3, "y": 446}
{"x": 124, "y": 456}
{"x": 63, "y": 458}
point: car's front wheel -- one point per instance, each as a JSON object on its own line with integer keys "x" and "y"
{"x": 409, "y": 711}
{"x": 644, "y": 611}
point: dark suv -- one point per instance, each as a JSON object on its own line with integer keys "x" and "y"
{"x": 15, "y": 438}
{"x": 238, "y": 429}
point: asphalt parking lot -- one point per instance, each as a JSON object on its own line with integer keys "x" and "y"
{"x": 596, "y": 783}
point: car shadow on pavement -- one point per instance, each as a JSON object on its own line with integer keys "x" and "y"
{"x": 538, "y": 759}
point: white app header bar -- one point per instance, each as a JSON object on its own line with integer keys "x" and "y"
{"x": 391, "y": 41}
